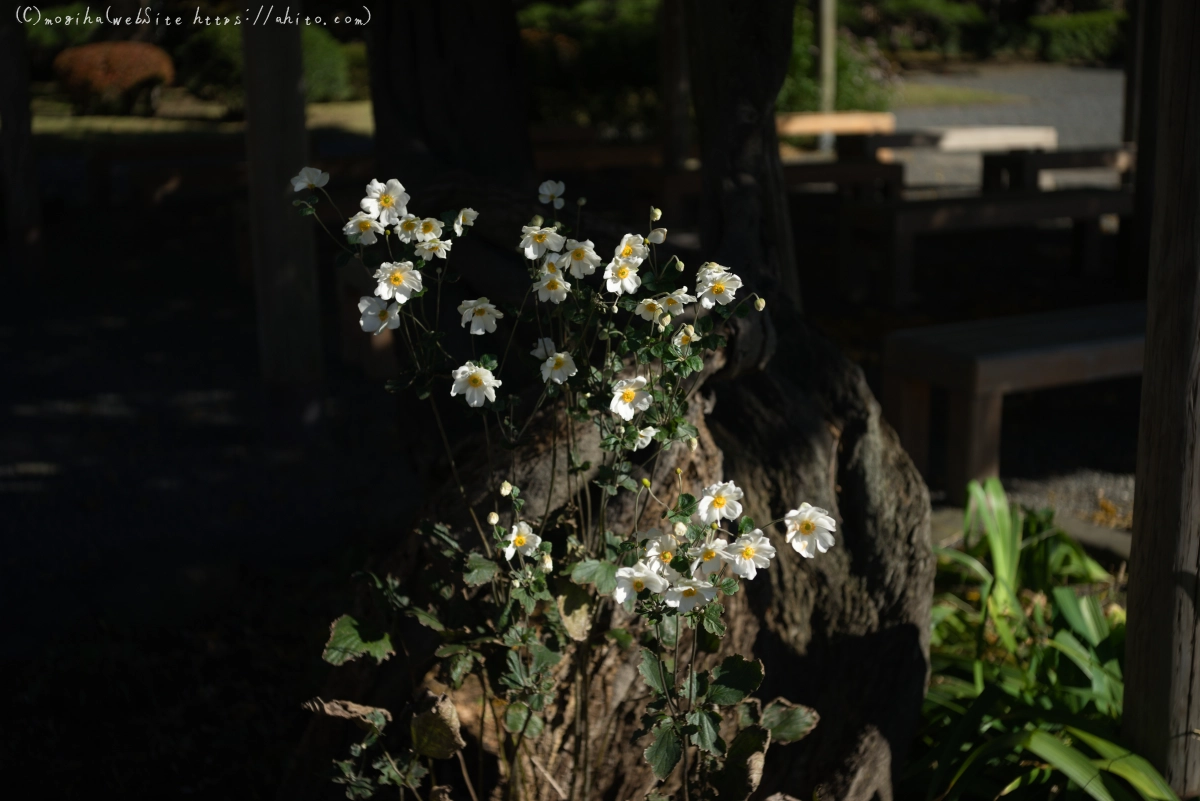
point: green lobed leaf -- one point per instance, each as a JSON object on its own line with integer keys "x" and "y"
{"x": 711, "y": 619}
{"x": 788, "y": 722}
{"x": 664, "y": 753}
{"x": 734, "y": 679}
{"x": 519, "y": 718}
{"x": 743, "y": 767}
{"x": 479, "y": 570}
{"x": 746, "y": 525}
{"x": 348, "y": 641}
{"x": 653, "y": 672}
{"x": 621, "y": 637}
{"x": 593, "y": 571}
{"x": 707, "y": 734}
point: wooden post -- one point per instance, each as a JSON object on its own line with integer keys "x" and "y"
{"x": 1147, "y": 36}
{"x": 674, "y": 121}
{"x": 827, "y": 23}
{"x": 22, "y": 207}
{"x": 1162, "y": 650}
{"x": 285, "y": 278}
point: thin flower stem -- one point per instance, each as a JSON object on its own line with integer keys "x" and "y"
{"x": 511, "y": 336}
{"x": 487, "y": 547}
{"x": 462, "y": 763}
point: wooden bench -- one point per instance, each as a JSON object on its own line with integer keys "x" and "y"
{"x": 899, "y": 222}
{"x": 1019, "y": 169}
{"x": 979, "y": 362}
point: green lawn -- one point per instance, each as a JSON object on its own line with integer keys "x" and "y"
{"x": 924, "y": 95}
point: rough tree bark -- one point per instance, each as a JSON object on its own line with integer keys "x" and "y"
{"x": 1162, "y": 711}
{"x": 847, "y": 634}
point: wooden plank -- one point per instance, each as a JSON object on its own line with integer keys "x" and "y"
{"x": 806, "y": 123}
{"x": 1002, "y": 210}
{"x": 906, "y": 407}
{"x": 973, "y": 449}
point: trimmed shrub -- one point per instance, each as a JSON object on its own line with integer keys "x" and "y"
{"x": 1087, "y": 37}
{"x": 863, "y": 77}
{"x": 114, "y": 77}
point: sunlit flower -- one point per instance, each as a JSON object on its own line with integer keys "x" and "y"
{"x": 684, "y": 337}
{"x": 579, "y": 258}
{"x": 543, "y": 349}
{"x": 521, "y": 540}
{"x": 657, "y": 236}
{"x": 406, "y": 229}
{"x": 547, "y": 562}
{"x": 707, "y": 558}
{"x": 364, "y": 227}
{"x": 433, "y": 247}
{"x": 709, "y": 269}
{"x": 649, "y": 309}
{"x": 493, "y": 518}
{"x": 675, "y": 302}
{"x": 749, "y": 552}
{"x": 558, "y": 367}
{"x": 718, "y": 288}
{"x": 660, "y": 550}
{"x": 552, "y": 192}
{"x": 428, "y": 229}
{"x": 686, "y": 594}
{"x": 385, "y": 202}
{"x": 631, "y": 248}
{"x": 629, "y": 398}
{"x": 309, "y": 178}
{"x": 632, "y": 580}
{"x": 645, "y": 437}
{"x": 680, "y": 530}
{"x": 655, "y": 214}
{"x": 537, "y": 241}
{"x": 377, "y": 315}
{"x": 549, "y": 265}
{"x": 480, "y": 314}
{"x": 506, "y": 489}
{"x": 397, "y": 280}
{"x": 475, "y": 383}
{"x": 466, "y": 217}
{"x": 553, "y": 288}
{"x": 810, "y": 530}
{"x": 720, "y": 501}
{"x": 622, "y": 277}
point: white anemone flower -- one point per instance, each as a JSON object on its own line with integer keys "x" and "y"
{"x": 684, "y": 338}
{"x": 397, "y": 280}
{"x": 377, "y": 315}
{"x": 481, "y": 315}
{"x": 657, "y": 236}
{"x": 708, "y": 270}
{"x": 385, "y": 202}
{"x": 810, "y": 530}
{"x": 709, "y": 557}
{"x": 718, "y": 288}
{"x": 553, "y": 288}
{"x": 465, "y": 218}
{"x": 750, "y": 552}
{"x": 552, "y": 192}
{"x": 433, "y": 247}
{"x": 406, "y": 229}
{"x": 645, "y": 437}
{"x": 660, "y": 550}
{"x": 686, "y": 594}
{"x": 428, "y": 229}
{"x": 720, "y": 501}
{"x": 631, "y": 248}
{"x": 309, "y": 178}
{"x": 629, "y": 397}
{"x": 521, "y": 540}
{"x": 632, "y": 580}
{"x": 622, "y": 277}
{"x": 675, "y": 302}
{"x": 542, "y": 349}
{"x": 474, "y": 383}
{"x": 549, "y": 265}
{"x": 537, "y": 241}
{"x": 558, "y": 367}
{"x": 364, "y": 227}
{"x": 579, "y": 258}
{"x": 649, "y": 309}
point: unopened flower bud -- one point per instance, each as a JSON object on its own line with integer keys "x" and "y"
{"x": 693, "y": 444}
{"x": 716, "y": 526}
{"x": 602, "y": 335}
{"x": 680, "y": 529}
{"x": 678, "y": 265}
{"x": 493, "y": 518}
{"x": 506, "y": 489}
{"x": 679, "y": 471}
{"x": 614, "y": 308}
{"x": 646, "y": 483}
{"x": 537, "y": 221}
{"x": 655, "y": 214}
{"x": 582, "y": 201}
{"x": 547, "y": 562}
{"x": 516, "y": 584}
{"x": 760, "y": 304}
{"x": 664, "y": 320}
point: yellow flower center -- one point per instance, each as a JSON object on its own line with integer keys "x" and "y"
{"x": 480, "y": 311}
{"x": 622, "y": 273}
{"x": 807, "y": 527}
{"x": 382, "y": 315}
{"x": 748, "y": 552}
{"x": 719, "y": 502}
{"x": 651, "y": 306}
{"x": 708, "y": 555}
{"x": 409, "y": 225}
{"x": 671, "y": 302}
{"x": 475, "y": 380}
{"x": 551, "y": 268}
{"x": 626, "y": 251}
{"x": 364, "y": 225}
{"x": 312, "y": 186}
{"x": 396, "y": 279}
{"x": 718, "y": 289}
{"x": 539, "y": 238}
{"x": 559, "y": 361}
{"x": 688, "y": 592}
{"x": 519, "y": 540}
{"x": 552, "y": 285}
{"x": 666, "y": 556}
{"x": 386, "y": 201}
{"x": 426, "y": 227}
{"x": 638, "y": 585}
{"x": 627, "y": 395}
{"x": 685, "y": 340}
{"x": 578, "y": 253}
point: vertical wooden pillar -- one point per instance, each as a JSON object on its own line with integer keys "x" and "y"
{"x": 22, "y": 207}
{"x": 674, "y": 123}
{"x": 827, "y": 36}
{"x": 1141, "y": 121}
{"x": 285, "y": 278}
{"x": 1162, "y": 651}
{"x": 973, "y": 447}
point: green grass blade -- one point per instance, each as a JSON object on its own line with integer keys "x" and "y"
{"x": 1077, "y": 767}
